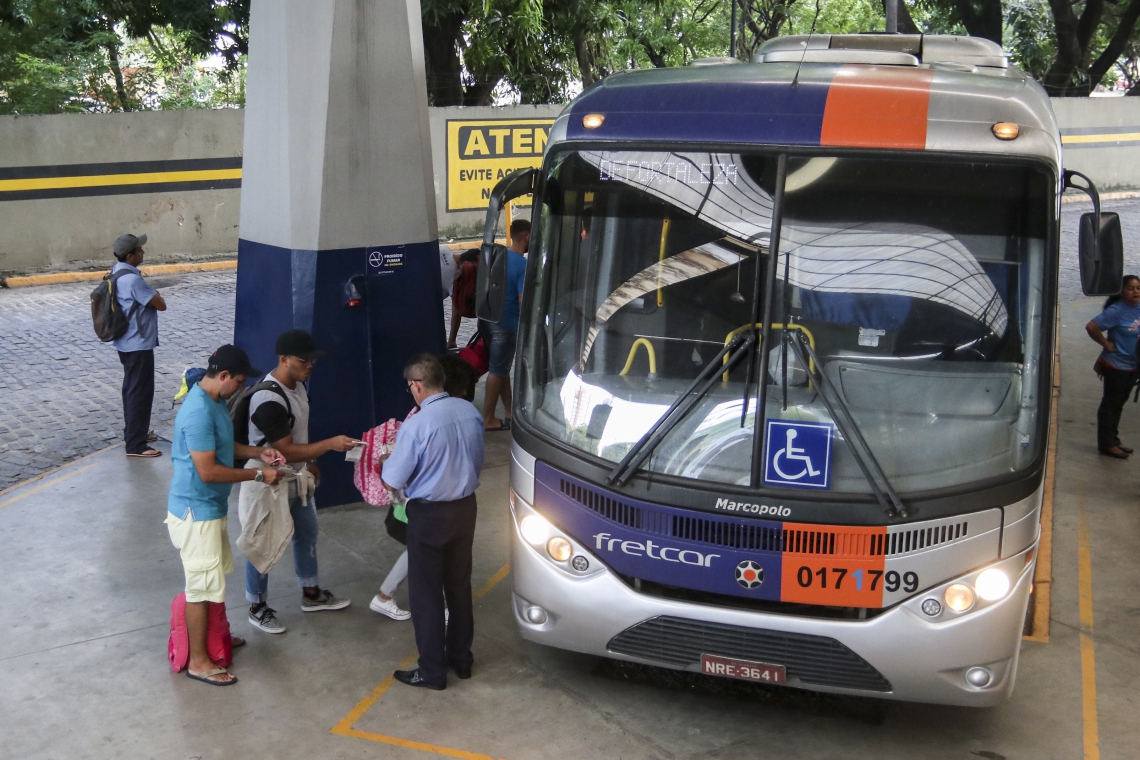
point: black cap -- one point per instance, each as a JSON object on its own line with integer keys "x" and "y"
{"x": 297, "y": 343}
{"x": 127, "y": 244}
{"x": 233, "y": 360}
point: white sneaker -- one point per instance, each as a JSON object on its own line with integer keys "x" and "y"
{"x": 388, "y": 607}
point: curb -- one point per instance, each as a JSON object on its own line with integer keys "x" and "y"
{"x": 1082, "y": 198}
{"x": 56, "y": 278}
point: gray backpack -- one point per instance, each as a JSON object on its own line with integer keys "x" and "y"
{"x": 107, "y": 316}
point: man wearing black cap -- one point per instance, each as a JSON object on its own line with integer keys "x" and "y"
{"x": 280, "y": 418}
{"x": 141, "y": 303}
{"x": 202, "y": 452}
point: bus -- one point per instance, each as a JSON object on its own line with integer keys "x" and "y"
{"x": 783, "y": 373}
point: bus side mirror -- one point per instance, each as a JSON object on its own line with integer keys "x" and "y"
{"x": 1101, "y": 247}
{"x": 491, "y": 283}
{"x": 1101, "y": 254}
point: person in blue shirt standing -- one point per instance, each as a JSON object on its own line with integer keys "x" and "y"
{"x": 141, "y": 303}
{"x": 436, "y": 462}
{"x": 1116, "y": 330}
{"x": 202, "y": 452}
{"x": 501, "y": 336}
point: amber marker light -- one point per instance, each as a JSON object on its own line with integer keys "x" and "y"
{"x": 593, "y": 120}
{"x": 1006, "y": 130}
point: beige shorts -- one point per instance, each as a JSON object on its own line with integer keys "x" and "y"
{"x": 206, "y": 556}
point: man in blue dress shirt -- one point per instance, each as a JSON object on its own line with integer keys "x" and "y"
{"x": 141, "y": 303}
{"x": 436, "y": 462}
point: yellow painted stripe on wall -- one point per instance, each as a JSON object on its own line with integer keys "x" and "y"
{"x": 1117, "y": 137}
{"x": 104, "y": 180}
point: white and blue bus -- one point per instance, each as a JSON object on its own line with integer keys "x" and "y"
{"x": 784, "y": 365}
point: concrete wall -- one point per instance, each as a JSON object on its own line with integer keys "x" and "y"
{"x": 1101, "y": 137}
{"x": 59, "y": 232}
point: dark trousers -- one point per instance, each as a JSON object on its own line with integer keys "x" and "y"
{"x": 1117, "y": 384}
{"x": 440, "y": 535}
{"x": 138, "y": 396}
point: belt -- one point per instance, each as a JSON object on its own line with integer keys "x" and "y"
{"x": 461, "y": 502}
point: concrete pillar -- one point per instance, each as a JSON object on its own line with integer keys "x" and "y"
{"x": 337, "y": 182}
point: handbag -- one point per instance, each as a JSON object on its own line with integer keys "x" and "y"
{"x": 477, "y": 354}
{"x": 396, "y": 528}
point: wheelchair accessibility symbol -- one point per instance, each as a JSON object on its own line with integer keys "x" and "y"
{"x": 798, "y": 454}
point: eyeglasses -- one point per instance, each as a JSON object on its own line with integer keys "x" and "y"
{"x": 412, "y": 380}
{"x": 306, "y": 362}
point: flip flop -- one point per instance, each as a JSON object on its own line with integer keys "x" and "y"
{"x": 236, "y": 642}
{"x": 205, "y": 677}
{"x": 503, "y": 425}
{"x": 151, "y": 437}
{"x": 148, "y": 454}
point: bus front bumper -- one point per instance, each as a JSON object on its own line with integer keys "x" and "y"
{"x": 920, "y": 658}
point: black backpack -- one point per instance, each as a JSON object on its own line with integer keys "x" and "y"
{"x": 238, "y": 406}
{"x": 107, "y": 316}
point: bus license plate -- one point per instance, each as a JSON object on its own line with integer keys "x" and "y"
{"x": 745, "y": 670}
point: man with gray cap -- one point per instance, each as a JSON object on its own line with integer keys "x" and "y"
{"x": 141, "y": 303}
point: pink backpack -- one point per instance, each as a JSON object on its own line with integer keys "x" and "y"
{"x": 367, "y": 471}
{"x": 219, "y": 644}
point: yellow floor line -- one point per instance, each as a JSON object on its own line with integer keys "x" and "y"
{"x": 48, "y": 484}
{"x": 504, "y": 571}
{"x": 54, "y": 470}
{"x": 345, "y": 726}
{"x": 1088, "y": 655}
{"x": 1043, "y": 573}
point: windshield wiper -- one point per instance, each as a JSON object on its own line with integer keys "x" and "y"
{"x": 864, "y": 457}
{"x": 735, "y": 350}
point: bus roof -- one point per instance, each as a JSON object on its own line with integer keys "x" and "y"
{"x": 841, "y": 95}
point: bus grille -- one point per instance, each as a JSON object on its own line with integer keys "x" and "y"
{"x": 827, "y": 541}
{"x": 814, "y": 660}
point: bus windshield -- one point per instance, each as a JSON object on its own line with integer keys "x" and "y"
{"x": 918, "y": 284}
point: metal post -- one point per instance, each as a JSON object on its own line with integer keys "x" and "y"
{"x": 892, "y": 9}
{"x": 732, "y": 32}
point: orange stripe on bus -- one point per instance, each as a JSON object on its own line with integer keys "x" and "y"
{"x": 877, "y": 107}
{"x": 836, "y": 566}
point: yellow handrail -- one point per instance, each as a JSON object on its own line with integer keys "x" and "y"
{"x": 633, "y": 352}
{"x": 660, "y": 259}
{"x": 775, "y": 326}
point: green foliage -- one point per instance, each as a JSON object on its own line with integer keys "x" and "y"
{"x": 1028, "y": 36}
{"x": 58, "y": 56}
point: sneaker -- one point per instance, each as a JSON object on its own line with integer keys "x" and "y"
{"x": 324, "y": 600}
{"x": 388, "y": 607}
{"x": 266, "y": 620}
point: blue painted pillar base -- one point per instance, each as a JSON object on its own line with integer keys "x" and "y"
{"x": 359, "y": 384}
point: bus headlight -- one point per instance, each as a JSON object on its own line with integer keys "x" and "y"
{"x": 992, "y": 584}
{"x": 959, "y": 597}
{"x": 559, "y": 549}
{"x": 534, "y": 529}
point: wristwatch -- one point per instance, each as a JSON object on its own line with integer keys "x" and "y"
{"x": 259, "y": 477}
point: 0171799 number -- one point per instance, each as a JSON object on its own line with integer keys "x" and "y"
{"x": 835, "y": 577}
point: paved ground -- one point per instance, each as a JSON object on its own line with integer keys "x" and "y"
{"x": 61, "y": 387}
{"x": 85, "y": 674}
{"x": 85, "y": 677}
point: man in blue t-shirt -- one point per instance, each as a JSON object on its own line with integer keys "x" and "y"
{"x": 501, "y": 336}
{"x": 202, "y": 452}
{"x": 1116, "y": 330}
{"x": 141, "y": 303}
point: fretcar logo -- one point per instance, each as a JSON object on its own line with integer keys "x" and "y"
{"x": 749, "y": 574}
{"x": 667, "y": 553}
{"x": 728, "y": 505}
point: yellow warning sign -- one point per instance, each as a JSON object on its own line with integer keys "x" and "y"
{"x": 480, "y": 153}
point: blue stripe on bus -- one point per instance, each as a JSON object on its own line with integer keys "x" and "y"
{"x": 734, "y": 112}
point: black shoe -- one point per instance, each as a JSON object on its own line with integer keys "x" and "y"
{"x": 1125, "y": 449}
{"x": 412, "y": 678}
{"x": 463, "y": 673}
{"x": 1119, "y": 454}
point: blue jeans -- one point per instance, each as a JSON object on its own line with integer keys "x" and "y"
{"x": 501, "y": 345}
{"x": 304, "y": 552}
